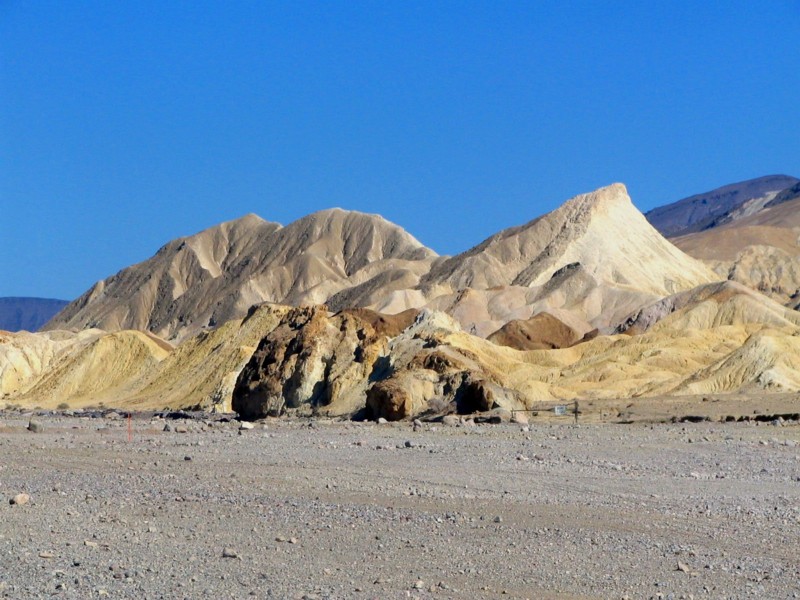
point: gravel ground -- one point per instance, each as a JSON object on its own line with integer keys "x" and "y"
{"x": 318, "y": 509}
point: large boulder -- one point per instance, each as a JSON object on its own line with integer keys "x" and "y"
{"x": 311, "y": 358}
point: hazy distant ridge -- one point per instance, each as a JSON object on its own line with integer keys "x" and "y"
{"x": 718, "y": 206}
{"x": 29, "y": 314}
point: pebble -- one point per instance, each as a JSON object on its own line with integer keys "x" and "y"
{"x": 35, "y": 426}
{"x": 20, "y": 499}
{"x": 229, "y": 553}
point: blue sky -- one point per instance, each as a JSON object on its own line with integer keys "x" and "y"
{"x": 126, "y": 124}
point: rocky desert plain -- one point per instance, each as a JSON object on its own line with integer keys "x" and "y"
{"x": 595, "y": 404}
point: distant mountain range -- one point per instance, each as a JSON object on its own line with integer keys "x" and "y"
{"x": 751, "y": 234}
{"x": 719, "y": 206}
{"x": 29, "y": 314}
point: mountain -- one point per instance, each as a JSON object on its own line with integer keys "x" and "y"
{"x": 28, "y": 314}
{"x": 747, "y": 232}
{"x": 775, "y": 225}
{"x": 761, "y": 250}
{"x": 589, "y": 262}
{"x": 201, "y": 281}
{"x": 719, "y": 206}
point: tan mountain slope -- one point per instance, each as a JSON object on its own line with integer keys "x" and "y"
{"x": 202, "y": 371}
{"x": 713, "y": 305}
{"x": 596, "y": 258}
{"x": 133, "y": 369}
{"x": 768, "y": 360}
{"x": 589, "y": 263}
{"x": 601, "y": 231}
{"x": 777, "y": 226}
{"x": 198, "y": 282}
{"x": 25, "y": 357}
{"x": 102, "y": 370}
{"x": 761, "y": 251}
{"x": 359, "y": 363}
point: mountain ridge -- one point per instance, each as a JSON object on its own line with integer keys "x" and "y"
{"x": 718, "y": 206}
{"x": 354, "y": 259}
{"x": 19, "y": 313}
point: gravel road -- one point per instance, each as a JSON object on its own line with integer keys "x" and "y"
{"x": 322, "y": 509}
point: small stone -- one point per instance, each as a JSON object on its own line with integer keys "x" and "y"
{"x": 35, "y": 426}
{"x": 181, "y": 429}
{"x": 419, "y": 584}
{"x": 382, "y": 421}
{"x": 519, "y": 417}
{"x": 683, "y": 567}
{"x": 409, "y": 444}
{"x": 245, "y": 426}
{"x": 167, "y": 427}
{"x": 451, "y": 420}
{"x": 229, "y": 553}
{"x": 20, "y": 499}
{"x": 187, "y": 458}
{"x": 46, "y": 554}
{"x": 90, "y": 544}
{"x": 498, "y": 519}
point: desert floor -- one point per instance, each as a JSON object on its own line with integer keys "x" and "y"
{"x": 323, "y": 509}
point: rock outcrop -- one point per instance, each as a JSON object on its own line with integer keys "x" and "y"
{"x": 311, "y": 360}
{"x": 343, "y": 364}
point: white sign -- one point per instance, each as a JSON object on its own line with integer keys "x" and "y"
{"x": 560, "y": 410}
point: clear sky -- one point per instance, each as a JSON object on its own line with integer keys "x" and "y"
{"x": 124, "y": 125}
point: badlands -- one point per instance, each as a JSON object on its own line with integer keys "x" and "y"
{"x": 577, "y": 407}
{"x": 343, "y": 314}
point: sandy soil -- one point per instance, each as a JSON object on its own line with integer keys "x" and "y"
{"x": 317, "y": 509}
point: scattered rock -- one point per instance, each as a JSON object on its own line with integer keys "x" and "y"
{"x": 20, "y": 499}
{"x": 229, "y": 553}
{"x": 451, "y": 420}
{"x": 519, "y": 417}
{"x": 245, "y": 426}
{"x": 35, "y": 426}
